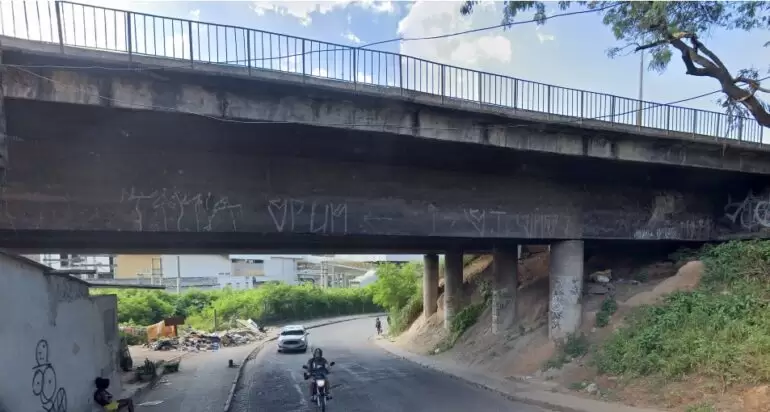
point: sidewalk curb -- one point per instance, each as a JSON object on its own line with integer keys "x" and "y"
{"x": 517, "y": 397}
{"x": 260, "y": 345}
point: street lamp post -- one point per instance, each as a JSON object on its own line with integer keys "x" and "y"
{"x": 641, "y": 89}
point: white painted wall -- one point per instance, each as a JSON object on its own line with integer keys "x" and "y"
{"x": 276, "y": 268}
{"x": 195, "y": 266}
{"x": 280, "y": 268}
{"x": 56, "y": 339}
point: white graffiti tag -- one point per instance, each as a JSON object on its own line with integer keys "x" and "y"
{"x": 751, "y": 213}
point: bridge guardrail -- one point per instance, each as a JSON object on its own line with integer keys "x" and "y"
{"x": 85, "y": 26}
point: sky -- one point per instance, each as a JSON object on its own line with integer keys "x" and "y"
{"x": 568, "y": 51}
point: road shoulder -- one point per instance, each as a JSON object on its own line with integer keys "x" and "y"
{"x": 517, "y": 391}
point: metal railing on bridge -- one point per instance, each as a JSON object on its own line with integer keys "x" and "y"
{"x": 193, "y": 42}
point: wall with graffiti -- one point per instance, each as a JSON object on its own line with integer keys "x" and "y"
{"x": 57, "y": 339}
{"x": 748, "y": 212}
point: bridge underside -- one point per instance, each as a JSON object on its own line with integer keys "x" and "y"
{"x": 89, "y": 178}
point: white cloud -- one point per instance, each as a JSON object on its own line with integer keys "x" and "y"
{"x": 352, "y": 37}
{"x": 303, "y": 10}
{"x": 482, "y": 50}
{"x": 195, "y": 14}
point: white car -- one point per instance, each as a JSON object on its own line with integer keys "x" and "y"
{"x": 293, "y": 338}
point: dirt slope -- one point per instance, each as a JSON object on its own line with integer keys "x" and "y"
{"x": 522, "y": 347}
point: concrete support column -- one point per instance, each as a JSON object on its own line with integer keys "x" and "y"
{"x": 565, "y": 314}
{"x": 453, "y": 283}
{"x": 505, "y": 265}
{"x": 3, "y": 126}
{"x": 430, "y": 285}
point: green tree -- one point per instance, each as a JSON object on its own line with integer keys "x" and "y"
{"x": 396, "y": 284}
{"x": 663, "y": 28}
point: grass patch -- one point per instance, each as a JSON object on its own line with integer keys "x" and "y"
{"x": 573, "y": 347}
{"x": 608, "y": 308}
{"x": 401, "y": 319}
{"x": 718, "y": 330}
{"x": 461, "y": 323}
{"x": 701, "y": 407}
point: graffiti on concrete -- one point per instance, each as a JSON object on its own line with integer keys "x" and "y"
{"x": 172, "y": 210}
{"x": 295, "y": 215}
{"x": 44, "y": 385}
{"x": 566, "y": 292}
{"x": 500, "y": 223}
{"x": 751, "y": 213}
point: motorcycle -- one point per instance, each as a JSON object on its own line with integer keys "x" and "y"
{"x": 321, "y": 393}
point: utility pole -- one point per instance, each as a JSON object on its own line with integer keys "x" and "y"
{"x": 641, "y": 89}
{"x": 178, "y": 275}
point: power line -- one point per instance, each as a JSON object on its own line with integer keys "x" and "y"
{"x": 516, "y": 23}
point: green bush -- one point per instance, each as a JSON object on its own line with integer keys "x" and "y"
{"x": 272, "y": 303}
{"x": 608, "y": 308}
{"x": 573, "y": 347}
{"x": 466, "y": 318}
{"x": 406, "y": 315}
{"x": 719, "y": 330}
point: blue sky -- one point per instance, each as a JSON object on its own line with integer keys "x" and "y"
{"x": 568, "y": 52}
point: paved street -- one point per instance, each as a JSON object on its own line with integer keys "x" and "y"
{"x": 366, "y": 378}
{"x": 204, "y": 380}
{"x": 201, "y": 385}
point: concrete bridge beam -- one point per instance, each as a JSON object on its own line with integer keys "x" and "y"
{"x": 430, "y": 285}
{"x": 505, "y": 265}
{"x": 453, "y": 286}
{"x": 565, "y": 308}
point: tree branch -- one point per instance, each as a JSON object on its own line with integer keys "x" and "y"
{"x": 754, "y": 84}
{"x": 690, "y": 57}
{"x": 698, "y": 46}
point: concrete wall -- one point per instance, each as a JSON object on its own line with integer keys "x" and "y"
{"x": 56, "y": 340}
{"x": 285, "y": 97}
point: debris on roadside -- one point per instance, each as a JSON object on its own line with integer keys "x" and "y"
{"x": 192, "y": 340}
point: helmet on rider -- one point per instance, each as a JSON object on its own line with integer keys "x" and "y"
{"x": 318, "y": 353}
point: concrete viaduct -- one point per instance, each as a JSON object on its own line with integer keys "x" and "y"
{"x": 116, "y": 151}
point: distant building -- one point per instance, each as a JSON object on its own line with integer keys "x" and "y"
{"x": 378, "y": 258}
{"x": 364, "y": 280}
{"x": 221, "y": 271}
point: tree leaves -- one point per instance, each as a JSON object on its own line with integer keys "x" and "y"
{"x": 660, "y": 27}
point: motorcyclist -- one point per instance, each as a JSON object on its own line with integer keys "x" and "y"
{"x": 378, "y": 325}
{"x": 318, "y": 364}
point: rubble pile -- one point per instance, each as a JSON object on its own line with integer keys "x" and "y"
{"x": 196, "y": 340}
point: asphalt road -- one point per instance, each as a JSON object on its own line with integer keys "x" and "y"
{"x": 365, "y": 378}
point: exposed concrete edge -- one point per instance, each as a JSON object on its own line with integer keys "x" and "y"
{"x": 532, "y": 395}
{"x": 252, "y": 354}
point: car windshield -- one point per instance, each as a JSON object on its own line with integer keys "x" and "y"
{"x": 293, "y": 333}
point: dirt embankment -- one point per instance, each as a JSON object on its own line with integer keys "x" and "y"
{"x": 522, "y": 348}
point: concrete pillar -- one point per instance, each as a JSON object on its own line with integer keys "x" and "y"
{"x": 453, "y": 284}
{"x": 3, "y": 125}
{"x": 505, "y": 265}
{"x": 430, "y": 285}
{"x": 565, "y": 314}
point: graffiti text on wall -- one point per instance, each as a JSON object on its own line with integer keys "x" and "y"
{"x": 169, "y": 209}
{"x": 44, "y": 385}
{"x": 751, "y": 213}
